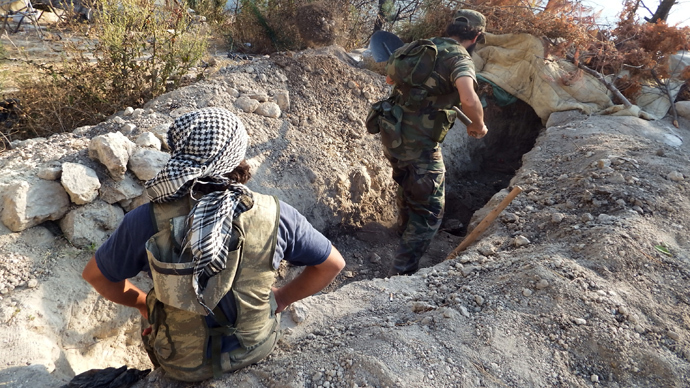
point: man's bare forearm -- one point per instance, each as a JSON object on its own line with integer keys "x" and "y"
{"x": 474, "y": 111}
{"x": 471, "y": 104}
{"x": 124, "y": 292}
{"x": 312, "y": 280}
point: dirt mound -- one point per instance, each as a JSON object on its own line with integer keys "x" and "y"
{"x": 317, "y": 24}
{"x": 581, "y": 282}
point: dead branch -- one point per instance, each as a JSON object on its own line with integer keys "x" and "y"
{"x": 664, "y": 87}
{"x": 5, "y": 143}
{"x": 603, "y": 80}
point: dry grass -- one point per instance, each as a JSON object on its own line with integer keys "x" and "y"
{"x": 133, "y": 53}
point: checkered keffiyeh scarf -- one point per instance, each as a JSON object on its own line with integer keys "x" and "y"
{"x": 206, "y": 143}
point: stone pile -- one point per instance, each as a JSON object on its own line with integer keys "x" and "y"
{"x": 88, "y": 197}
{"x": 86, "y": 180}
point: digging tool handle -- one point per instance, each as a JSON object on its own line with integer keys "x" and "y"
{"x": 462, "y": 117}
{"x": 469, "y": 239}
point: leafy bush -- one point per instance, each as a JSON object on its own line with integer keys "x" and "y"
{"x": 212, "y": 10}
{"x": 264, "y": 26}
{"x": 273, "y": 25}
{"x": 137, "y": 51}
{"x": 432, "y": 21}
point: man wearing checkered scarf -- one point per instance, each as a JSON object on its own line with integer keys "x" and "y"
{"x": 204, "y": 183}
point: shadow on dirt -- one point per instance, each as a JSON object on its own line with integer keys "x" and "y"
{"x": 513, "y": 130}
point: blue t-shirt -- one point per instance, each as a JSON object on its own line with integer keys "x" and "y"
{"x": 123, "y": 255}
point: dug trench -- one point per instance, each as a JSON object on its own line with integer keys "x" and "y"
{"x": 472, "y": 179}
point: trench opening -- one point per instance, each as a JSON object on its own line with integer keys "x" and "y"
{"x": 476, "y": 170}
{"x": 513, "y": 131}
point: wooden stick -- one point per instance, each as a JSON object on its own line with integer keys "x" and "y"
{"x": 469, "y": 239}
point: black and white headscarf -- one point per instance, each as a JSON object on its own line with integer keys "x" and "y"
{"x": 206, "y": 143}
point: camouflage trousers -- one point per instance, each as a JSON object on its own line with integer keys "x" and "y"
{"x": 420, "y": 199}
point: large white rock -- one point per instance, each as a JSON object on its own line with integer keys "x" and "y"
{"x": 283, "y": 99}
{"x": 113, "y": 150}
{"x": 28, "y": 204}
{"x": 145, "y": 163}
{"x": 80, "y": 182}
{"x": 268, "y": 109}
{"x": 148, "y": 140}
{"x": 683, "y": 108}
{"x": 261, "y": 97}
{"x": 248, "y": 105}
{"x": 161, "y": 132}
{"x": 90, "y": 225}
{"x": 49, "y": 173}
{"x": 118, "y": 191}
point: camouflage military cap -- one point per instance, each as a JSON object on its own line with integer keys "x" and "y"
{"x": 470, "y": 18}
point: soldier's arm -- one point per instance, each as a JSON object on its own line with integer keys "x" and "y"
{"x": 124, "y": 292}
{"x": 471, "y": 106}
{"x": 312, "y": 280}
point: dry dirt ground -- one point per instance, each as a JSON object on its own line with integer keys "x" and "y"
{"x": 581, "y": 282}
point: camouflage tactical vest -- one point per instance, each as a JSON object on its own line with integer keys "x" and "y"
{"x": 180, "y": 334}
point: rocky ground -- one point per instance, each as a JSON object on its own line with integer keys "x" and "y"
{"x": 581, "y": 282}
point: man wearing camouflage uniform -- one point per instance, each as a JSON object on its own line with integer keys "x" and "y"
{"x": 417, "y": 161}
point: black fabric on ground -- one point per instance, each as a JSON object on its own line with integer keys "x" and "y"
{"x": 107, "y": 378}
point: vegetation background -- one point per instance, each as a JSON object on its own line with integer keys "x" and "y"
{"x": 135, "y": 50}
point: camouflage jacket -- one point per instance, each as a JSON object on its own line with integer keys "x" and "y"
{"x": 425, "y": 124}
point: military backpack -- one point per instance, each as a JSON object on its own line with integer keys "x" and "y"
{"x": 413, "y": 64}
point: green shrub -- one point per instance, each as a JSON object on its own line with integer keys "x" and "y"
{"x": 212, "y": 10}
{"x": 431, "y": 21}
{"x": 136, "y": 51}
{"x": 264, "y": 26}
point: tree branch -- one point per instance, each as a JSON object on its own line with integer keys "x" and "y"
{"x": 603, "y": 80}
{"x": 664, "y": 87}
{"x": 647, "y": 8}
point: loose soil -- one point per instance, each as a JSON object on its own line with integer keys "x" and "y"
{"x": 581, "y": 282}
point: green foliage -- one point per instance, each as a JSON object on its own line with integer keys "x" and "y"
{"x": 265, "y": 26}
{"x": 431, "y": 20}
{"x": 140, "y": 43}
{"x": 389, "y": 11}
{"x": 212, "y": 10}
{"x": 136, "y": 51}
{"x": 276, "y": 41}
{"x": 357, "y": 24}
{"x": 663, "y": 249}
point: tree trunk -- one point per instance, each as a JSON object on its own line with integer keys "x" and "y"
{"x": 380, "y": 17}
{"x": 662, "y": 11}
